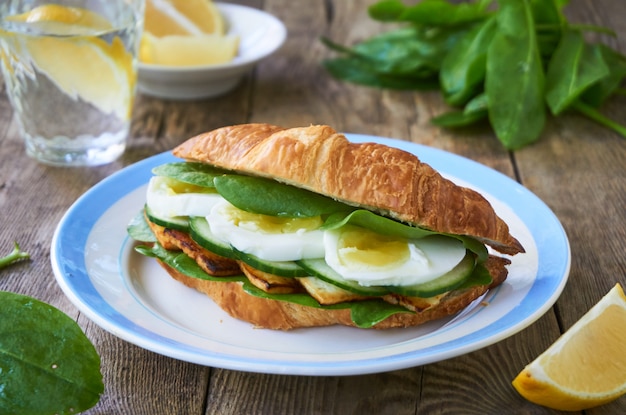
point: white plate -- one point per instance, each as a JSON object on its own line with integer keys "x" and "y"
{"x": 132, "y": 297}
{"x": 260, "y": 35}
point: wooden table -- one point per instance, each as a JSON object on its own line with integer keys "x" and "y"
{"x": 577, "y": 168}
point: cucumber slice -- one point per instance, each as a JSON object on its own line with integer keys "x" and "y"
{"x": 280, "y": 268}
{"x": 320, "y": 269}
{"x": 447, "y": 282}
{"x": 200, "y": 231}
{"x": 179, "y": 223}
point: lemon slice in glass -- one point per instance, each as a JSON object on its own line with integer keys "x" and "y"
{"x": 79, "y": 63}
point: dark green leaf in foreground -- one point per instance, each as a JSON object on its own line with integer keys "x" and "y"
{"x": 47, "y": 364}
{"x": 515, "y": 79}
{"x": 269, "y": 197}
{"x": 574, "y": 67}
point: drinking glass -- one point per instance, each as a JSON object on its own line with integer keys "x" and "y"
{"x": 70, "y": 74}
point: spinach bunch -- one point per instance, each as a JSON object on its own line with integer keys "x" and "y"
{"x": 510, "y": 62}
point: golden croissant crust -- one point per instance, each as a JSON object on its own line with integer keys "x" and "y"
{"x": 384, "y": 179}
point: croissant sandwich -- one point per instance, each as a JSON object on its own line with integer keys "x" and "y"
{"x": 290, "y": 228}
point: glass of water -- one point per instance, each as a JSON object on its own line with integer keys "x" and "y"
{"x": 70, "y": 74}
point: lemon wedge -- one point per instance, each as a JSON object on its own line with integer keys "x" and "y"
{"x": 177, "y": 50}
{"x": 81, "y": 65}
{"x": 182, "y": 17}
{"x": 586, "y": 366}
{"x": 185, "y": 33}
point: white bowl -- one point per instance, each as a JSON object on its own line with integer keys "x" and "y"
{"x": 260, "y": 35}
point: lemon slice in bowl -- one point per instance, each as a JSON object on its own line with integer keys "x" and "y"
{"x": 586, "y": 366}
{"x": 182, "y": 17}
{"x": 75, "y": 59}
{"x": 180, "y": 50}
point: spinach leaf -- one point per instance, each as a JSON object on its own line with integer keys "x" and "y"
{"x": 463, "y": 69}
{"x": 574, "y": 67}
{"x": 269, "y": 197}
{"x": 47, "y": 364}
{"x": 429, "y": 12}
{"x": 407, "y": 51}
{"x": 181, "y": 263}
{"x": 525, "y": 39}
{"x": 387, "y": 10}
{"x": 199, "y": 174}
{"x": 378, "y": 224}
{"x": 515, "y": 78}
{"x": 361, "y": 72}
{"x": 457, "y": 119}
{"x": 139, "y": 230}
{"x": 549, "y": 24}
{"x": 476, "y": 110}
{"x": 596, "y": 94}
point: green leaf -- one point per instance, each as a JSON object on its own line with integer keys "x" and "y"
{"x": 597, "y": 93}
{"x": 549, "y": 24}
{"x": 364, "y": 314}
{"x": 515, "y": 79}
{"x": 386, "y": 10}
{"x": 574, "y": 67}
{"x": 376, "y": 223}
{"x": 430, "y": 12}
{"x": 199, "y": 174}
{"x": 182, "y": 263}
{"x": 458, "y": 119}
{"x": 476, "y": 110}
{"x": 410, "y": 50}
{"x": 47, "y": 364}
{"x": 463, "y": 69}
{"x": 480, "y": 276}
{"x": 139, "y": 230}
{"x": 269, "y": 197}
{"x": 363, "y": 73}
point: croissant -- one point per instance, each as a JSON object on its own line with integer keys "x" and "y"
{"x": 384, "y": 179}
{"x": 387, "y": 181}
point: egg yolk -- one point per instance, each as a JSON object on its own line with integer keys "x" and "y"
{"x": 174, "y": 186}
{"x": 270, "y": 224}
{"x": 362, "y": 246}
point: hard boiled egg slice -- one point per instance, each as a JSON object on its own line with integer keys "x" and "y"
{"x": 169, "y": 197}
{"x": 369, "y": 258}
{"x": 267, "y": 237}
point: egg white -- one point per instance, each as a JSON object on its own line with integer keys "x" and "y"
{"x": 267, "y": 246}
{"x": 429, "y": 258}
{"x": 165, "y": 201}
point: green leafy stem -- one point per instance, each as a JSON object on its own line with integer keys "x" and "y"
{"x": 16, "y": 255}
